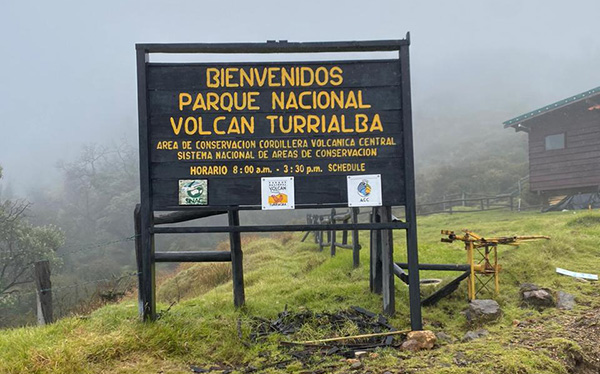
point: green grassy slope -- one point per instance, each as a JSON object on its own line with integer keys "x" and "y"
{"x": 202, "y": 327}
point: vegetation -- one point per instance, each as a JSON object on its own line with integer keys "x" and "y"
{"x": 21, "y": 245}
{"x": 201, "y": 327}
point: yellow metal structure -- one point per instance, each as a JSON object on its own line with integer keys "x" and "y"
{"x": 482, "y": 257}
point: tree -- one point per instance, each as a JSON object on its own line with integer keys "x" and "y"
{"x": 21, "y": 245}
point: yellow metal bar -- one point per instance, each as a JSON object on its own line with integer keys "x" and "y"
{"x": 496, "y": 271}
{"x": 472, "y": 275}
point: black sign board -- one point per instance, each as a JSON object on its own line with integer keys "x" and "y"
{"x": 229, "y": 125}
{"x": 212, "y": 136}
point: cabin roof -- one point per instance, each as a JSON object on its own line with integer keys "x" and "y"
{"x": 548, "y": 108}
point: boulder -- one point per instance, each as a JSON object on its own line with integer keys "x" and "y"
{"x": 565, "y": 301}
{"x": 418, "y": 340}
{"x": 442, "y": 337}
{"x": 534, "y": 296}
{"x": 482, "y": 311}
{"x": 472, "y": 335}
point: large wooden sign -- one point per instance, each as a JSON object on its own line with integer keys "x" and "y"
{"x": 219, "y": 133}
{"x": 218, "y": 138}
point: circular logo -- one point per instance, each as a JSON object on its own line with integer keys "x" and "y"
{"x": 364, "y": 188}
{"x": 194, "y": 189}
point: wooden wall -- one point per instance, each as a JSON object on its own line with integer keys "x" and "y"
{"x": 577, "y": 166}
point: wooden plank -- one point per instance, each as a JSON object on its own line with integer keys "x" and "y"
{"x": 245, "y": 191}
{"x": 193, "y": 76}
{"x": 193, "y": 256}
{"x": 43, "y": 286}
{"x": 274, "y": 47}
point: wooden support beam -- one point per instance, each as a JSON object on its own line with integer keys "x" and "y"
{"x": 332, "y": 237}
{"x": 237, "y": 263}
{"x": 193, "y": 256}
{"x": 387, "y": 264}
{"x": 375, "y": 255}
{"x": 44, "y": 292}
{"x": 355, "y": 243}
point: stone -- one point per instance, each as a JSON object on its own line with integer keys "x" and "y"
{"x": 352, "y": 360}
{"x": 539, "y": 298}
{"x": 418, "y": 340}
{"x": 565, "y": 301}
{"x": 356, "y": 365}
{"x": 482, "y": 311}
{"x": 443, "y": 337}
{"x": 472, "y": 335}
{"x": 359, "y": 354}
{"x": 373, "y": 355}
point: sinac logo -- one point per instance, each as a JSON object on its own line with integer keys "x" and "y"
{"x": 193, "y": 189}
{"x": 364, "y": 188}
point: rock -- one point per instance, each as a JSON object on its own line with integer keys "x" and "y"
{"x": 373, "y": 355}
{"x": 352, "y": 361}
{"x": 536, "y": 297}
{"x": 356, "y": 365}
{"x": 460, "y": 359}
{"x": 443, "y": 337}
{"x": 565, "y": 301}
{"x": 417, "y": 340}
{"x": 481, "y": 311}
{"x": 359, "y": 354}
{"x": 472, "y": 335}
{"x": 410, "y": 345}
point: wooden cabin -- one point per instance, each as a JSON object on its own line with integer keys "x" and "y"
{"x": 564, "y": 145}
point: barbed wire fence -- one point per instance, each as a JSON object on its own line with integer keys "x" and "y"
{"x": 22, "y": 304}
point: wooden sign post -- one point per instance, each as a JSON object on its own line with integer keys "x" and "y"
{"x": 222, "y": 137}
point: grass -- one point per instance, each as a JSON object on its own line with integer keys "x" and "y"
{"x": 201, "y": 327}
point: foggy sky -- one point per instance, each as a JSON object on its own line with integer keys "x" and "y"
{"x": 67, "y": 68}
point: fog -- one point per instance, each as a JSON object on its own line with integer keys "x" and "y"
{"x": 67, "y": 69}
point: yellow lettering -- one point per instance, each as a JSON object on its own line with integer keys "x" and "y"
{"x": 215, "y": 123}
{"x": 188, "y": 100}
{"x": 361, "y": 123}
{"x": 199, "y": 102}
{"x": 336, "y": 76}
{"x": 191, "y": 130}
{"x": 376, "y": 125}
{"x": 277, "y": 100}
{"x": 212, "y": 77}
{"x": 229, "y": 77}
{"x": 351, "y": 101}
{"x": 272, "y": 77}
{"x": 176, "y": 128}
{"x": 360, "y": 101}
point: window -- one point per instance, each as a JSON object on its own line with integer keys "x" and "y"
{"x": 555, "y": 141}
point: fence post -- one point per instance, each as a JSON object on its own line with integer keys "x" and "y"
{"x": 44, "y": 292}
{"x": 355, "y": 244}
{"x": 319, "y": 219}
{"x": 333, "y": 233}
{"x": 345, "y": 231}
{"x": 481, "y": 201}
{"x": 511, "y": 203}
